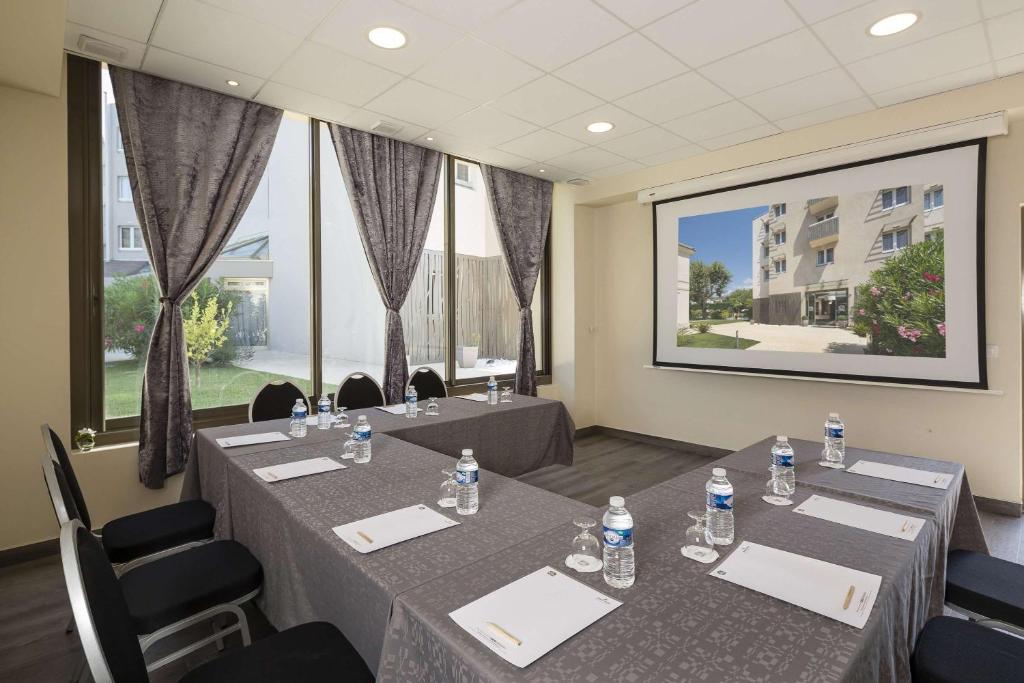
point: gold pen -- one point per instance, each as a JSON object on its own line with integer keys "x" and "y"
{"x": 905, "y": 523}
{"x": 849, "y": 597}
{"x": 368, "y": 539}
{"x": 502, "y": 632}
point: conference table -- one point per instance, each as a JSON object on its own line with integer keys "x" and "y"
{"x": 675, "y": 624}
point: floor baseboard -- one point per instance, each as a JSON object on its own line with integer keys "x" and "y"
{"x": 27, "y": 553}
{"x": 660, "y": 441}
{"x": 999, "y": 507}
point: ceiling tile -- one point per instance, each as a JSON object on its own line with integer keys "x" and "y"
{"x": 807, "y": 94}
{"x": 622, "y": 67}
{"x": 1008, "y": 67}
{"x": 1006, "y": 35}
{"x": 830, "y": 113}
{"x": 487, "y": 127}
{"x": 617, "y": 169}
{"x": 638, "y": 13}
{"x": 669, "y": 155}
{"x": 644, "y": 143}
{"x": 741, "y": 136}
{"x": 132, "y": 20}
{"x": 187, "y": 70}
{"x": 587, "y": 159}
{"x": 293, "y": 99}
{"x": 495, "y": 157}
{"x": 476, "y": 70}
{"x": 318, "y": 69}
{"x": 816, "y": 10}
{"x": 347, "y": 27}
{"x": 219, "y": 37}
{"x": 907, "y": 66}
{"x": 711, "y": 29}
{"x": 365, "y": 120}
{"x": 674, "y": 98}
{"x": 847, "y": 37}
{"x": 546, "y": 101}
{"x": 466, "y": 14}
{"x": 930, "y": 86}
{"x": 450, "y": 144}
{"x": 778, "y": 61}
{"x": 993, "y": 8}
{"x": 542, "y": 143}
{"x": 133, "y": 51}
{"x": 710, "y": 123}
{"x": 576, "y": 126}
{"x": 551, "y": 172}
{"x": 549, "y": 34}
{"x": 295, "y": 16}
{"x": 420, "y": 103}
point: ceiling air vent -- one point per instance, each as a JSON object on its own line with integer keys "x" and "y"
{"x": 578, "y": 181}
{"x": 386, "y": 128}
{"x": 94, "y": 46}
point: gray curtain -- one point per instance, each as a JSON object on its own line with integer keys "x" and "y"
{"x": 521, "y": 205}
{"x": 194, "y": 160}
{"x": 392, "y": 186}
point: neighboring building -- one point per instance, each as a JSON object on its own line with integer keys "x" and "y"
{"x": 123, "y": 250}
{"x": 810, "y": 256}
{"x": 683, "y": 287}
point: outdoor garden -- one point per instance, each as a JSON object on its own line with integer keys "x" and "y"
{"x": 710, "y": 305}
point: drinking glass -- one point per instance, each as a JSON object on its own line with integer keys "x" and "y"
{"x": 432, "y": 407}
{"x": 586, "y": 549}
{"x": 832, "y": 457}
{"x": 342, "y": 417}
{"x": 506, "y": 395}
{"x": 349, "y": 453}
{"x": 698, "y": 546}
{"x": 447, "y": 498}
{"x": 777, "y": 492}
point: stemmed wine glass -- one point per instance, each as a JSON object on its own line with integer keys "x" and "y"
{"x": 447, "y": 498}
{"x": 341, "y": 417}
{"x": 432, "y": 407}
{"x": 698, "y": 546}
{"x": 586, "y": 549}
{"x": 506, "y": 395}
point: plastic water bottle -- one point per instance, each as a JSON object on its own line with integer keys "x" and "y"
{"x": 835, "y": 439}
{"x": 492, "y": 392}
{"x": 721, "y": 527}
{"x": 783, "y": 468}
{"x": 467, "y": 475}
{"x": 619, "y": 566}
{"x": 411, "y": 398}
{"x": 298, "y": 425}
{"x": 361, "y": 434}
{"x": 323, "y": 412}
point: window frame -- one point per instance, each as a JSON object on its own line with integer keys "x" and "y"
{"x": 85, "y": 272}
{"x": 133, "y": 229}
{"x": 780, "y": 265}
{"x": 824, "y": 254}
{"x": 893, "y": 191}
{"x": 895, "y": 240}
{"x": 127, "y": 182}
{"x": 780, "y": 237}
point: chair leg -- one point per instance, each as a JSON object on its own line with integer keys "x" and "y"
{"x": 70, "y": 628}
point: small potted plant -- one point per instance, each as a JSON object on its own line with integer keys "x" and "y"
{"x": 467, "y": 355}
{"x": 85, "y": 439}
{"x": 803, "y": 320}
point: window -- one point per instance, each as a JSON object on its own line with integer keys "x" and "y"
{"x": 895, "y": 240}
{"x": 764, "y": 252}
{"x": 894, "y": 197}
{"x": 778, "y": 210}
{"x": 124, "y": 189}
{"x": 464, "y": 174}
{"x": 780, "y": 265}
{"x": 780, "y": 237}
{"x": 130, "y": 238}
{"x": 933, "y": 198}
{"x": 825, "y": 217}
{"x": 766, "y": 273}
{"x": 934, "y": 233}
{"x": 826, "y": 256}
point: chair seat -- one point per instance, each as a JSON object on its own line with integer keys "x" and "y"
{"x": 145, "y": 533}
{"x": 986, "y": 585}
{"x": 309, "y": 653}
{"x": 951, "y": 650}
{"x": 167, "y": 590}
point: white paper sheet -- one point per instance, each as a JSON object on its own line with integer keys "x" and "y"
{"x": 834, "y": 591}
{"x": 862, "y": 517}
{"x": 908, "y": 475}
{"x": 526, "y": 619}
{"x": 380, "y": 531}
{"x": 398, "y": 409}
{"x": 251, "y": 439}
{"x": 299, "y": 468}
{"x": 312, "y": 419}
{"x": 474, "y": 397}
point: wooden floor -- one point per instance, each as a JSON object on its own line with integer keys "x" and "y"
{"x": 34, "y": 607}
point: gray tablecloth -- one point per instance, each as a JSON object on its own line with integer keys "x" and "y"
{"x": 677, "y": 623}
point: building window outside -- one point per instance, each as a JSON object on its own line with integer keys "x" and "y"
{"x": 780, "y": 237}
{"x": 765, "y": 251}
{"x": 826, "y": 256}
{"x": 766, "y": 274}
{"x": 124, "y": 189}
{"x": 897, "y": 196}
{"x": 933, "y": 233}
{"x": 778, "y": 210}
{"x": 131, "y": 237}
{"x": 895, "y": 240}
{"x": 780, "y": 265}
{"x": 933, "y": 199}
{"x": 464, "y": 175}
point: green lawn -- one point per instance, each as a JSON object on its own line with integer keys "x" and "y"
{"x": 220, "y": 386}
{"x": 716, "y": 321}
{"x": 710, "y": 340}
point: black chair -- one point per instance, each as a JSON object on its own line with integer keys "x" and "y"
{"x": 134, "y": 539}
{"x": 986, "y": 589}
{"x": 951, "y": 650}
{"x": 274, "y": 401}
{"x": 309, "y": 653}
{"x": 358, "y": 391}
{"x": 428, "y": 383}
{"x": 174, "y": 593}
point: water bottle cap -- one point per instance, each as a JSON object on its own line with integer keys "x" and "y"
{"x": 362, "y": 419}
{"x": 718, "y": 472}
{"x": 782, "y": 437}
{"x": 467, "y": 451}
{"x": 834, "y": 416}
{"x": 617, "y": 501}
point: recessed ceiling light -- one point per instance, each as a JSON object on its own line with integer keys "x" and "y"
{"x": 540, "y": 170}
{"x": 232, "y": 83}
{"x": 386, "y": 37}
{"x": 893, "y": 24}
{"x": 429, "y": 139}
{"x": 600, "y": 126}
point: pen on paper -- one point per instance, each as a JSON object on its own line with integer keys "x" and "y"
{"x": 502, "y": 632}
{"x": 849, "y": 597}
{"x": 367, "y": 538}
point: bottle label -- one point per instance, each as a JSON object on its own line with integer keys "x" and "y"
{"x": 782, "y": 460}
{"x": 409, "y": 398}
{"x": 325, "y": 407}
{"x": 362, "y": 434}
{"x": 719, "y": 501}
{"x": 467, "y": 476}
{"x": 618, "y": 538}
{"x": 834, "y": 432}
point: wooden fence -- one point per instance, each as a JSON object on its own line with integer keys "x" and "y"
{"x": 486, "y": 308}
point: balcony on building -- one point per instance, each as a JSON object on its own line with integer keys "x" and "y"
{"x": 822, "y": 205}
{"x": 823, "y": 232}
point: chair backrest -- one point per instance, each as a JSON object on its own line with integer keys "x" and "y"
{"x": 358, "y": 391}
{"x": 59, "y": 455}
{"x": 274, "y": 401}
{"x": 428, "y": 383}
{"x": 60, "y": 495}
{"x": 105, "y": 626}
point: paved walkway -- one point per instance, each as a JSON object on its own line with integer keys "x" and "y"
{"x": 795, "y": 338}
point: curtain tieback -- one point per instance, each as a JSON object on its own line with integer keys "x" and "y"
{"x": 166, "y": 300}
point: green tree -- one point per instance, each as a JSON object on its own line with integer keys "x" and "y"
{"x": 740, "y": 302}
{"x": 129, "y": 310}
{"x": 205, "y": 330}
{"x": 719, "y": 278}
{"x": 700, "y": 287}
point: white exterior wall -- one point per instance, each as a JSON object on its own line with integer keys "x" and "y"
{"x": 683, "y": 287}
